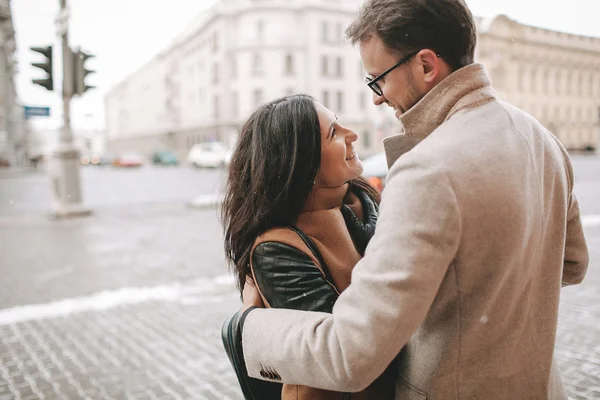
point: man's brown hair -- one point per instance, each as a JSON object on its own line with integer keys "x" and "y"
{"x": 444, "y": 26}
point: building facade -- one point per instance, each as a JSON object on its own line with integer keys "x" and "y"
{"x": 553, "y": 76}
{"x": 241, "y": 53}
{"x": 238, "y": 55}
{"x": 13, "y": 139}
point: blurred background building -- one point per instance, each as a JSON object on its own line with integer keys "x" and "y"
{"x": 13, "y": 132}
{"x": 553, "y": 76}
{"x": 241, "y": 53}
{"x": 234, "y": 57}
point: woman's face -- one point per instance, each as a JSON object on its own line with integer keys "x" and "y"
{"x": 339, "y": 161}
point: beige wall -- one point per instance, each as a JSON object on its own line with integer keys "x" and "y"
{"x": 553, "y": 76}
{"x": 204, "y": 86}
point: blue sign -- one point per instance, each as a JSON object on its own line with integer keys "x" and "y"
{"x": 36, "y": 112}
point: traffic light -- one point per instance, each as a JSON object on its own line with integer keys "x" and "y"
{"x": 80, "y": 72}
{"x": 47, "y": 82}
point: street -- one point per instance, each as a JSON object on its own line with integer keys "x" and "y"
{"x": 128, "y": 303}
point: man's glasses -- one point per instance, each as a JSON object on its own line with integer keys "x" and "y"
{"x": 373, "y": 83}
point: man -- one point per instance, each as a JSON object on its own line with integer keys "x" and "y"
{"x": 478, "y": 230}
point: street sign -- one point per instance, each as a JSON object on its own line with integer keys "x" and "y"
{"x": 36, "y": 112}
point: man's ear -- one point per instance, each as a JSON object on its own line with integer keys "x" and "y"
{"x": 431, "y": 65}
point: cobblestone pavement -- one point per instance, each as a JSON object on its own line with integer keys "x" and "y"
{"x": 127, "y": 304}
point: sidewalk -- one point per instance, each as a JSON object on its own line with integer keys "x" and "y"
{"x": 128, "y": 304}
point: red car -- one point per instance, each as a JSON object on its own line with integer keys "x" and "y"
{"x": 375, "y": 170}
{"x": 128, "y": 160}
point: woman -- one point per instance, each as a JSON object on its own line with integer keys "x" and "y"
{"x": 298, "y": 216}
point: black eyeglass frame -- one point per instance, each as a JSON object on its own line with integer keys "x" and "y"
{"x": 372, "y": 82}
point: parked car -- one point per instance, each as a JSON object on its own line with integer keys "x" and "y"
{"x": 375, "y": 170}
{"x": 211, "y": 155}
{"x": 128, "y": 160}
{"x": 164, "y": 158}
{"x": 106, "y": 159}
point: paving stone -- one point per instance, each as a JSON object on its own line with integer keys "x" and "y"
{"x": 169, "y": 349}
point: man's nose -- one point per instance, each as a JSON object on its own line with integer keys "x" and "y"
{"x": 378, "y": 100}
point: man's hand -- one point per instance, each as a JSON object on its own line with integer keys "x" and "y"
{"x": 251, "y": 296}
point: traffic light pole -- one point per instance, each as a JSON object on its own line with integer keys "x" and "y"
{"x": 68, "y": 201}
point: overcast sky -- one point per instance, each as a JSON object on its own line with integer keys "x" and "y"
{"x": 124, "y": 34}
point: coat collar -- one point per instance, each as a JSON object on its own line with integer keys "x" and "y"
{"x": 465, "y": 88}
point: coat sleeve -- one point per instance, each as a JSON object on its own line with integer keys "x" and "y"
{"x": 288, "y": 278}
{"x": 393, "y": 287}
{"x": 576, "y": 253}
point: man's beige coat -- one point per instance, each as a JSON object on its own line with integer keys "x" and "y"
{"x": 478, "y": 230}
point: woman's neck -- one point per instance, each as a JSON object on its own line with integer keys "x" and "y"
{"x": 325, "y": 198}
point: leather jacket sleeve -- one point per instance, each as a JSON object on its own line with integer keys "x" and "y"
{"x": 288, "y": 278}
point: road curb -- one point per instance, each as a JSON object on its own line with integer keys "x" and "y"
{"x": 205, "y": 201}
{"x": 590, "y": 220}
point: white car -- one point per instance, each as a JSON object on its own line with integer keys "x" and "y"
{"x": 375, "y": 170}
{"x": 211, "y": 155}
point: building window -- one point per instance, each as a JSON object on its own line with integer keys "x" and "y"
{"x": 324, "y": 32}
{"x": 234, "y": 105}
{"x": 366, "y": 139}
{"x": 339, "y": 70}
{"x": 233, "y": 67}
{"x": 545, "y": 81}
{"x": 215, "y": 39}
{"x": 289, "y": 65}
{"x": 362, "y": 101}
{"x": 521, "y": 79}
{"x": 326, "y": 98}
{"x": 202, "y": 97}
{"x": 339, "y": 32}
{"x": 258, "y": 97}
{"x": 533, "y": 82}
{"x": 215, "y": 73}
{"x": 260, "y": 29}
{"x": 257, "y": 67}
{"x": 340, "y": 102}
{"x": 569, "y": 82}
{"x": 324, "y": 66}
{"x": 217, "y": 107}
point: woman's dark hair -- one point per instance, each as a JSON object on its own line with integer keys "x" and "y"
{"x": 444, "y": 26}
{"x": 271, "y": 174}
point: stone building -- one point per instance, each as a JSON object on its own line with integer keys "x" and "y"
{"x": 241, "y": 53}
